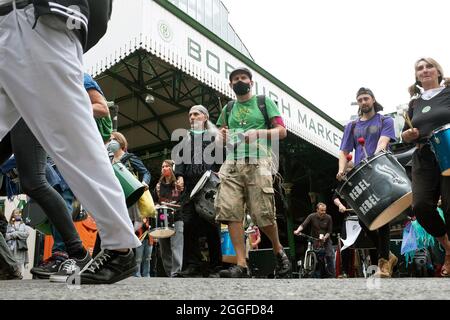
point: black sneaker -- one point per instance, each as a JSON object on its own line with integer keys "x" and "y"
{"x": 109, "y": 267}
{"x": 235, "y": 271}
{"x": 49, "y": 266}
{"x": 69, "y": 267}
{"x": 190, "y": 272}
{"x": 283, "y": 267}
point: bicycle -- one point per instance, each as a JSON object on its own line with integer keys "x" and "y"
{"x": 307, "y": 267}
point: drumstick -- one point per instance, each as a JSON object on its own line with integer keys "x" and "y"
{"x": 407, "y": 119}
{"x": 350, "y": 209}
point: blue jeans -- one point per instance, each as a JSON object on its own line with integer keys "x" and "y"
{"x": 143, "y": 257}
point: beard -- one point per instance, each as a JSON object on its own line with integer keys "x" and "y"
{"x": 366, "y": 109}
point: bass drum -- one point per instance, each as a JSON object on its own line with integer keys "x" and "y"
{"x": 377, "y": 189}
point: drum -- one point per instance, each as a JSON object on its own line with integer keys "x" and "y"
{"x": 35, "y": 217}
{"x": 226, "y": 244}
{"x": 163, "y": 224}
{"x": 377, "y": 189}
{"x": 440, "y": 141}
{"x": 204, "y": 194}
{"x": 132, "y": 187}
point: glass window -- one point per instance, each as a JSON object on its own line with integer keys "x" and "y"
{"x": 216, "y": 17}
{"x": 201, "y": 11}
{"x": 208, "y": 14}
{"x": 192, "y": 9}
{"x": 223, "y": 21}
{"x": 230, "y": 38}
{"x": 175, "y": 2}
{"x": 183, "y": 5}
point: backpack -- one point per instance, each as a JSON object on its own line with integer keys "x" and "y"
{"x": 261, "y": 105}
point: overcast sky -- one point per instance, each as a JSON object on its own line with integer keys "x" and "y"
{"x": 327, "y": 49}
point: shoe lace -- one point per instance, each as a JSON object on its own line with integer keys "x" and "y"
{"x": 99, "y": 260}
{"x": 69, "y": 266}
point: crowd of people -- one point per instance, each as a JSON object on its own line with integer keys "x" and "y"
{"x": 55, "y": 120}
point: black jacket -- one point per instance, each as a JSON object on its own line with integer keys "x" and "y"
{"x": 92, "y": 16}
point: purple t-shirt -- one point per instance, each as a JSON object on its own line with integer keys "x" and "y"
{"x": 370, "y": 131}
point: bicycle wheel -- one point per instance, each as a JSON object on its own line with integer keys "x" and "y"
{"x": 310, "y": 262}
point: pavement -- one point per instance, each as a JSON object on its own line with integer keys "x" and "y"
{"x": 233, "y": 289}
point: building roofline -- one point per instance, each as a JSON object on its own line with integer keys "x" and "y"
{"x": 240, "y": 56}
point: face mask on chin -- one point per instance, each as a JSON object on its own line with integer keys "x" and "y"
{"x": 241, "y": 88}
{"x": 113, "y": 146}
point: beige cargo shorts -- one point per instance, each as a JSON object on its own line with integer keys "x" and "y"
{"x": 246, "y": 187}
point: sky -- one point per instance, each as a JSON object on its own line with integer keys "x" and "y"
{"x": 326, "y": 50}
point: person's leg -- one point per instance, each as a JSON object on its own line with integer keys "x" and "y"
{"x": 191, "y": 247}
{"x": 31, "y": 161}
{"x": 139, "y": 255}
{"x": 146, "y": 258}
{"x": 9, "y": 268}
{"x": 261, "y": 205}
{"x": 373, "y": 236}
{"x": 166, "y": 255}
{"x": 329, "y": 259}
{"x": 51, "y": 62}
{"x": 177, "y": 244}
{"x": 214, "y": 245}
{"x": 445, "y": 206}
{"x": 384, "y": 238}
{"x": 230, "y": 209}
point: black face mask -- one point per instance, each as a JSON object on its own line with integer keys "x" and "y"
{"x": 241, "y": 88}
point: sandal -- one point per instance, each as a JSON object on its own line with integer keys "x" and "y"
{"x": 445, "y": 270}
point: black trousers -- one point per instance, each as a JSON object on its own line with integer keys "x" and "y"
{"x": 427, "y": 186}
{"x": 381, "y": 238}
{"x": 194, "y": 228}
{"x": 31, "y": 160}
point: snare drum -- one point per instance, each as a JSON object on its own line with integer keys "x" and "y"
{"x": 440, "y": 141}
{"x": 163, "y": 224}
{"x": 377, "y": 189}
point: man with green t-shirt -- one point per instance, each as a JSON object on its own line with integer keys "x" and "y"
{"x": 246, "y": 175}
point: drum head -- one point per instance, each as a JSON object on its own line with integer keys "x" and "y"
{"x": 392, "y": 212}
{"x": 201, "y": 183}
{"x": 162, "y": 233}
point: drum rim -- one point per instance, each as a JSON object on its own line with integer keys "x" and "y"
{"x": 203, "y": 179}
{"x": 437, "y": 130}
{"x": 358, "y": 167}
{"x": 163, "y": 207}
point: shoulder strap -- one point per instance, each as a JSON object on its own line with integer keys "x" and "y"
{"x": 262, "y": 107}
{"x": 261, "y": 100}
{"x": 228, "y": 108}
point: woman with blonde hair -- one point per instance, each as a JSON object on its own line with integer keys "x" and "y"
{"x": 428, "y": 110}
